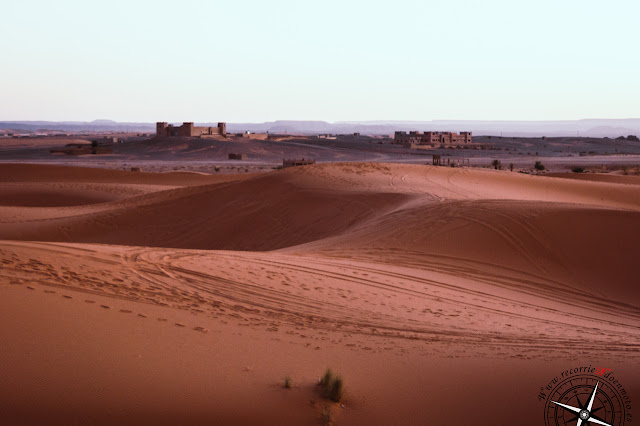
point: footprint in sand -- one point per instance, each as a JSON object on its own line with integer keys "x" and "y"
{"x": 67, "y": 297}
{"x": 89, "y": 301}
{"x": 201, "y": 329}
{"x": 125, "y": 311}
{"x": 142, "y": 316}
{"x": 49, "y": 291}
{"x": 162, "y": 319}
{"x": 105, "y": 306}
{"x": 179, "y": 325}
{"x": 30, "y": 288}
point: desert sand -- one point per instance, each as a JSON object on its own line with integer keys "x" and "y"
{"x": 443, "y": 296}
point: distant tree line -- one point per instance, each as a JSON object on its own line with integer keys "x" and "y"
{"x": 632, "y": 138}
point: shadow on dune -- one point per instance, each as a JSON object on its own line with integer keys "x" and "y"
{"x": 264, "y": 213}
{"x": 344, "y": 208}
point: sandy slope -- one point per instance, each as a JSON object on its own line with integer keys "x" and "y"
{"x": 42, "y": 173}
{"x": 600, "y": 177}
{"x": 425, "y": 287}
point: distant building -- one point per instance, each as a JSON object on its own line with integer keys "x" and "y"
{"x": 233, "y": 156}
{"x": 432, "y": 138}
{"x": 81, "y": 149}
{"x": 407, "y": 139}
{"x": 301, "y": 162}
{"x": 110, "y": 139}
{"x": 106, "y": 140}
{"x": 189, "y": 130}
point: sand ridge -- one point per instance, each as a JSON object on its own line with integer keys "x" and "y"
{"x": 290, "y": 207}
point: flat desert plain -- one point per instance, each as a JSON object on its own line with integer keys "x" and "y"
{"x": 442, "y": 296}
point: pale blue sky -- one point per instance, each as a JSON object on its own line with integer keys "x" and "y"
{"x": 319, "y": 60}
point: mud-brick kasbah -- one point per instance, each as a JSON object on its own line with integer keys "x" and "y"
{"x": 432, "y": 138}
{"x": 189, "y": 130}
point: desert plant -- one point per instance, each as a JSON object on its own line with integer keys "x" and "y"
{"x": 497, "y": 164}
{"x": 332, "y": 386}
{"x": 511, "y": 166}
{"x": 327, "y": 378}
{"x": 287, "y": 382}
{"x": 216, "y": 168}
{"x": 538, "y": 166}
{"x": 578, "y": 170}
{"x": 336, "y": 389}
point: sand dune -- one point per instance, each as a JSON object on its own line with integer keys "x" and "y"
{"x": 40, "y": 173}
{"x": 292, "y": 207}
{"x": 47, "y": 195}
{"x": 190, "y": 298}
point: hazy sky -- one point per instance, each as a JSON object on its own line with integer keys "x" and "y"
{"x": 319, "y": 60}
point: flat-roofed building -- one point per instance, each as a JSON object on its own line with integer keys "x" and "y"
{"x": 188, "y": 129}
{"x": 432, "y": 138}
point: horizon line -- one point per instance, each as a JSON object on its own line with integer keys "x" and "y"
{"x": 324, "y": 121}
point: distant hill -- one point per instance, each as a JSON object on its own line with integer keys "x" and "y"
{"x": 587, "y": 127}
{"x": 591, "y": 127}
{"x": 78, "y": 126}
